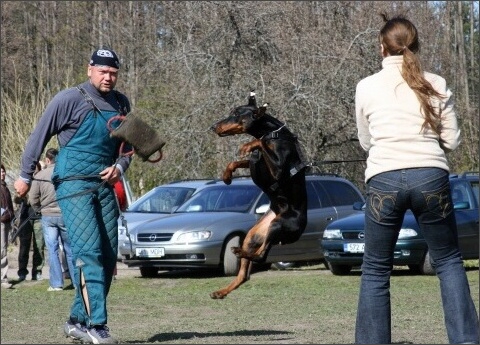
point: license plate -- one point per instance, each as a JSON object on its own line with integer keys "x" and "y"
{"x": 353, "y": 247}
{"x": 150, "y": 252}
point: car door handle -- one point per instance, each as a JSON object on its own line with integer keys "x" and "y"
{"x": 329, "y": 218}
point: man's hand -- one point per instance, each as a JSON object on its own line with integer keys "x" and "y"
{"x": 111, "y": 174}
{"x": 21, "y": 187}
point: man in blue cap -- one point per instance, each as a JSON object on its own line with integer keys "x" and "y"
{"x": 88, "y": 164}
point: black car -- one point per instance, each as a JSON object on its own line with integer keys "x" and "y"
{"x": 343, "y": 240}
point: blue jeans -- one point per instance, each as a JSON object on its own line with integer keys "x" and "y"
{"x": 54, "y": 230}
{"x": 426, "y": 191}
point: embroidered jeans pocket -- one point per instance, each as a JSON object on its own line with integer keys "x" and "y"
{"x": 438, "y": 202}
{"x": 382, "y": 203}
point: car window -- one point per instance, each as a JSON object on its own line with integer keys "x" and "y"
{"x": 322, "y": 197}
{"x": 459, "y": 192}
{"x": 222, "y": 199}
{"x": 341, "y": 193}
{"x": 312, "y": 197}
{"x": 264, "y": 200}
{"x": 162, "y": 200}
{"x": 475, "y": 190}
{"x": 240, "y": 200}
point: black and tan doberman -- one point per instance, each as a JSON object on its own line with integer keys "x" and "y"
{"x": 277, "y": 167}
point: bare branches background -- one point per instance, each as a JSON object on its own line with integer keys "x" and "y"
{"x": 186, "y": 64}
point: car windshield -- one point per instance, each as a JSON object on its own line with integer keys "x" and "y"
{"x": 161, "y": 200}
{"x": 222, "y": 199}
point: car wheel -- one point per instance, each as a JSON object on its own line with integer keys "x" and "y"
{"x": 283, "y": 265}
{"x": 148, "y": 272}
{"x": 339, "y": 270}
{"x": 415, "y": 269}
{"x": 231, "y": 263}
{"x": 426, "y": 267}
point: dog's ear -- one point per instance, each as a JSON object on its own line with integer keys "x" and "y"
{"x": 261, "y": 111}
{"x": 251, "y": 99}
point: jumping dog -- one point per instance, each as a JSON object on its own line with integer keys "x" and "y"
{"x": 277, "y": 167}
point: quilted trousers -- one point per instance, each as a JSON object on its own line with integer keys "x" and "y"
{"x": 91, "y": 221}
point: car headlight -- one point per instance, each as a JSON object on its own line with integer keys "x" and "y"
{"x": 406, "y": 233}
{"x": 194, "y": 236}
{"x": 331, "y": 234}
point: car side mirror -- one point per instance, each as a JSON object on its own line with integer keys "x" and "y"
{"x": 358, "y": 205}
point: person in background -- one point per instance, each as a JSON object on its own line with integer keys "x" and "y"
{"x": 7, "y": 216}
{"x": 406, "y": 122}
{"x": 30, "y": 237}
{"x": 88, "y": 164}
{"x": 63, "y": 261}
{"x": 43, "y": 197}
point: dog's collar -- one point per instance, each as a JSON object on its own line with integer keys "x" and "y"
{"x": 273, "y": 134}
{"x": 276, "y": 134}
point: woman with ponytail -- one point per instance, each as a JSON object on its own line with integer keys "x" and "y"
{"x": 406, "y": 122}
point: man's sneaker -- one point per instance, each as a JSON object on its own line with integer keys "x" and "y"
{"x": 21, "y": 277}
{"x": 99, "y": 334}
{"x": 76, "y": 331}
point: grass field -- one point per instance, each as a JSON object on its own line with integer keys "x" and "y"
{"x": 308, "y": 305}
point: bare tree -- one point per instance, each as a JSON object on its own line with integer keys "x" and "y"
{"x": 187, "y": 64}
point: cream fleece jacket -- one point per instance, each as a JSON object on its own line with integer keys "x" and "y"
{"x": 389, "y": 122}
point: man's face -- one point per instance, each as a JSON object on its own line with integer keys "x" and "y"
{"x": 3, "y": 175}
{"x": 104, "y": 78}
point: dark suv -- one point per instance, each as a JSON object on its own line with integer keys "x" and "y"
{"x": 201, "y": 231}
{"x": 343, "y": 242}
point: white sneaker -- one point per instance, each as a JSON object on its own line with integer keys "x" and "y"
{"x": 54, "y": 289}
{"x": 6, "y": 284}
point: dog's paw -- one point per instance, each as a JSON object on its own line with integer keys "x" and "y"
{"x": 217, "y": 295}
{"x": 244, "y": 152}
{"x": 227, "y": 177}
